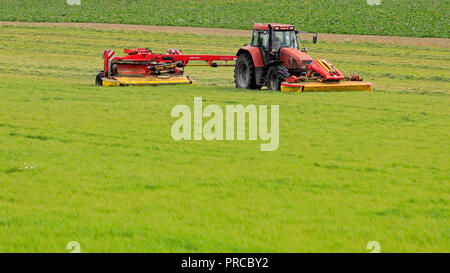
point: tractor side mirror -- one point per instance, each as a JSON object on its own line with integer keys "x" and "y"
{"x": 315, "y": 39}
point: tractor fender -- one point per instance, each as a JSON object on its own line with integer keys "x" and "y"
{"x": 255, "y": 52}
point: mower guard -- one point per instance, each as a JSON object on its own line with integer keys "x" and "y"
{"x": 326, "y": 86}
{"x": 147, "y": 80}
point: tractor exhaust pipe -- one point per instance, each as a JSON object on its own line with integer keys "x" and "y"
{"x": 270, "y": 37}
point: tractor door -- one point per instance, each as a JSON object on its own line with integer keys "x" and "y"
{"x": 261, "y": 40}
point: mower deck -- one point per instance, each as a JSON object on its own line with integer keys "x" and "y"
{"x": 326, "y": 86}
{"x": 147, "y": 80}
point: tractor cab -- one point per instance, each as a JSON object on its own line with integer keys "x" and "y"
{"x": 270, "y": 38}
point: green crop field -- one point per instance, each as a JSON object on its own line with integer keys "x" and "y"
{"x": 98, "y": 165}
{"x": 419, "y": 18}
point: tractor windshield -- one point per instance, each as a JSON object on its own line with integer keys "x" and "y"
{"x": 284, "y": 39}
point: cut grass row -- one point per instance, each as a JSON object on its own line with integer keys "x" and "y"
{"x": 419, "y": 18}
{"x": 421, "y": 69}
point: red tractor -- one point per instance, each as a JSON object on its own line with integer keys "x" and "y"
{"x": 274, "y": 59}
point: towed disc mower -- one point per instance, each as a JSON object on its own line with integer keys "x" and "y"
{"x": 274, "y": 59}
{"x": 142, "y": 67}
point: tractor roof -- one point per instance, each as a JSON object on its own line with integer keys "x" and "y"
{"x": 275, "y": 26}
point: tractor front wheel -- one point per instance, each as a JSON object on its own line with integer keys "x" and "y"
{"x": 275, "y": 76}
{"x": 244, "y": 72}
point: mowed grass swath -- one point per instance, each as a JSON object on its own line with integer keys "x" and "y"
{"x": 419, "y": 18}
{"x": 98, "y": 165}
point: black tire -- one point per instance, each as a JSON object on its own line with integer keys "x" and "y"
{"x": 275, "y": 76}
{"x": 244, "y": 72}
{"x": 98, "y": 79}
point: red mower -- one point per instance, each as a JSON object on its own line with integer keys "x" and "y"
{"x": 274, "y": 59}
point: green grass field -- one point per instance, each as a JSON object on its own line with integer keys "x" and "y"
{"x": 98, "y": 165}
{"x": 419, "y": 18}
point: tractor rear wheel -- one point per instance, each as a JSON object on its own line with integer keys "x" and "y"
{"x": 275, "y": 76}
{"x": 98, "y": 78}
{"x": 244, "y": 72}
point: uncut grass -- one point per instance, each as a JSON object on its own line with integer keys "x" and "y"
{"x": 351, "y": 167}
{"x": 419, "y": 18}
